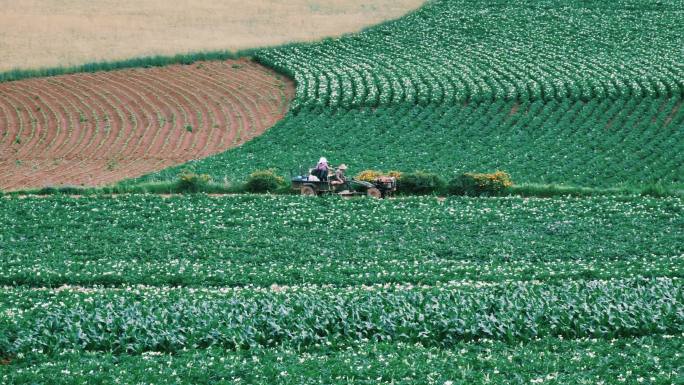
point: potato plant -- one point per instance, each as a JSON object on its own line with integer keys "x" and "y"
{"x": 258, "y": 240}
{"x": 138, "y": 319}
{"x": 643, "y": 360}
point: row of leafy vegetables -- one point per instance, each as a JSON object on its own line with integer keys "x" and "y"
{"x": 457, "y": 51}
{"x": 135, "y": 320}
{"x": 259, "y": 240}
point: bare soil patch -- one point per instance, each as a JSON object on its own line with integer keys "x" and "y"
{"x": 49, "y": 33}
{"x": 92, "y": 129}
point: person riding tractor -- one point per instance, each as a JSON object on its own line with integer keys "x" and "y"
{"x": 321, "y": 170}
{"x": 339, "y": 178}
{"x": 320, "y": 181}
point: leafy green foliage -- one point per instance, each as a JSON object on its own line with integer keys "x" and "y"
{"x": 627, "y": 360}
{"x": 189, "y": 181}
{"x": 450, "y": 52}
{"x": 460, "y": 87}
{"x": 135, "y": 320}
{"x": 476, "y": 184}
{"x": 420, "y": 182}
{"x": 262, "y": 181}
{"x": 554, "y": 92}
{"x": 198, "y": 240}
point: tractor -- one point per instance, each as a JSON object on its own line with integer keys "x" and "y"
{"x": 381, "y": 187}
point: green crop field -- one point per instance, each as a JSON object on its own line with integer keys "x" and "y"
{"x": 254, "y": 240}
{"x": 579, "y": 93}
{"x": 421, "y": 288}
{"x": 284, "y": 289}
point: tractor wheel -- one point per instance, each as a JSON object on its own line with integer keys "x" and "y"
{"x": 374, "y": 192}
{"x": 307, "y": 190}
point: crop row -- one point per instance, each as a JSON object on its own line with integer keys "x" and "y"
{"x": 70, "y": 129}
{"x": 133, "y": 320}
{"x": 645, "y": 360}
{"x": 455, "y": 51}
{"x": 259, "y": 240}
{"x": 600, "y": 143}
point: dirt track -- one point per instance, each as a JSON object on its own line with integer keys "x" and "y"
{"x": 94, "y": 129}
{"x": 49, "y": 33}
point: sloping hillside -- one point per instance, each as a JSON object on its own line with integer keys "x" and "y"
{"x": 586, "y": 93}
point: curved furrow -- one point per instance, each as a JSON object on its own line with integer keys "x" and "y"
{"x": 204, "y": 95}
{"x": 251, "y": 84}
{"x": 172, "y": 119}
{"x": 103, "y": 112}
{"x": 275, "y": 97}
{"x": 138, "y": 119}
{"x": 181, "y": 129}
{"x": 264, "y": 108}
{"x": 14, "y": 140}
{"x": 240, "y": 80}
{"x": 214, "y": 117}
{"x": 69, "y": 130}
{"x": 228, "y": 119}
{"x": 113, "y": 119}
{"x": 201, "y": 127}
{"x": 48, "y": 121}
{"x": 175, "y": 132}
{"x": 21, "y": 167}
{"x": 87, "y": 120}
{"x": 93, "y": 153}
{"x": 252, "y": 118}
{"x": 7, "y": 122}
{"x": 212, "y": 92}
{"x": 148, "y": 118}
{"x": 25, "y": 105}
{"x": 145, "y": 145}
{"x": 53, "y": 126}
{"x": 70, "y": 168}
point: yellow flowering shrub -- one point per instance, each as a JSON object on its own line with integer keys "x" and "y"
{"x": 371, "y": 175}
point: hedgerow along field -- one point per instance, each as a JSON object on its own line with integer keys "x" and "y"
{"x": 98, "y": 128}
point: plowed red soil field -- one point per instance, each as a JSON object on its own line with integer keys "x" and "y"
{"x": 93, "y": 129}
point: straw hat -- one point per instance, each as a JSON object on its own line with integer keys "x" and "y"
{"x": 343, "y": 166}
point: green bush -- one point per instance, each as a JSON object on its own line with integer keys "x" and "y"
{"x": 420, "y": 182}
{"x": 262, "y": 181}
{"x": 477, "y": 184}
{"x": 191, "y": 182}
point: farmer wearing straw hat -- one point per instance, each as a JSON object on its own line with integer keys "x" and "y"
{"x": 339, "y": 177}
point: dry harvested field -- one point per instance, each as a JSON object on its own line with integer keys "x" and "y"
{"x": 48, "y": 33}
{"x": 97, "y": 128}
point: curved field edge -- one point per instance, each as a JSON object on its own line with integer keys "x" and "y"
{"x": 160, "y": 60}
{"x": 141, "y": 62}
{"x": 79, "y": 32}
{"x": 97, "y": 128}
{"x": 479, "y": 51}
